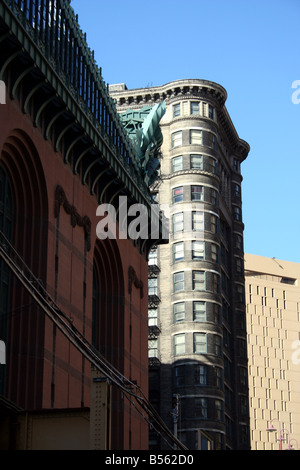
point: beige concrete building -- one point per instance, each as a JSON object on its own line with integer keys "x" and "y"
{"x": 273, "y": 326}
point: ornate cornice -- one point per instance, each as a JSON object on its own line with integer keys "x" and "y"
{"x": 179, "y": 89}
{"x": 190, "y": 172}
{"x": 183, "y": 90}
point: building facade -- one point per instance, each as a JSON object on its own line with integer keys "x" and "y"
{"x": 64, "y": 152}
{"x": 197, "y": 318}
{"x": 273, "y": 325}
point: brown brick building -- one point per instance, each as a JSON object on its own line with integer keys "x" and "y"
{"x": 63, "y": 153}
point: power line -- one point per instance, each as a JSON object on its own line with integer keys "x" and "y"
{"x": 65, "y": 325}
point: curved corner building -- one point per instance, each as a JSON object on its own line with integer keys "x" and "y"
{"x": 197, "y": 325}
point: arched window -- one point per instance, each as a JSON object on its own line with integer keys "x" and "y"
{"x": 6, "y": 204}
{"x": 95, "y": 308}
{"x": 6, "y": 216}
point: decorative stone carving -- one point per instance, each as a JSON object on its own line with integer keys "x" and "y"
{"x": 76, "y": 219}
{"x": 133, "y": 279}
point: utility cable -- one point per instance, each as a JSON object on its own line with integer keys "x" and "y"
{"x": 36, "y": 289}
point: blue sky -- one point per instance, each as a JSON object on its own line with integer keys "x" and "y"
{"x": 252, "y": 49}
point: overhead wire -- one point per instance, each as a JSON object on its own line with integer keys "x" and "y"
{"x": 36, "y": 289}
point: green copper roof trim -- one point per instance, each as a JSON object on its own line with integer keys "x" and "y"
{"x": 144, "y": 130}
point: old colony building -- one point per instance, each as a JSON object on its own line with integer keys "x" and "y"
{"x": 197, "y": 323}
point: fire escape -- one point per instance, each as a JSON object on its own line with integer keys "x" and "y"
{"x": 153, "y": 304}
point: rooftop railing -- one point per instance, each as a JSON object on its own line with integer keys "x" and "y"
{"x": 53, "y": 25}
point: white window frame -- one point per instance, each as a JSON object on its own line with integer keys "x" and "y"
{"x": 176, "y": 139}
{"x": 179, "y": 344}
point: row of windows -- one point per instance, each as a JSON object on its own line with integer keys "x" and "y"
{"x": 197, "y": 193}
{"x": 194, "y": 137}
{"x": 200, "y": 344}
{"x": 203, "y": 343}
{"x": 204, "y": 375}
{"x": 194, "y": 162}
{"x": 201, "y": 281}
{"x": 195, "y": 109}
{"x": 205, "y": 281}
{"x": 201, "y": 221}
{"x": 197, "y": 250}
{"x": 200, "y": 311}
{"x": 208, "y": 408}
{"x": 200, "y": 250}
{"x": 197, "y": 221}
{"x": 261, "y": 290}
{"x": 201, "y": 375}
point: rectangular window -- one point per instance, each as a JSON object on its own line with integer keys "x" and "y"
{"x": 177, "y": 194}
{"x": 213, "y": 165}
{"x": 237, "y": 214}
{"x": 176, "y": 110}
{"x": 239, "y": 242}
{"x": 200, "y": 375}
{"x": 152, "y": 316}
{"x": 199, "y": 311}
{"x": 216, "y": 283}
{"x": 178, "y": 222}
{"x": 198, "y": 250}
{"x": 236, "y": 190}
{"x": 179, "y": 312}
{"x": 212, "y": 140}
{"x": 213, "y": 224}
{"x": 214, "y": 253}
{"x": 196, "y": 161}
{"x": 239, "y": 266}
{"x": 240, "y": 293}
{"x": 178, "y": 281}
{"x": 219, "y": 377}
{"x": 219, "y": 410}
{"x": 198, "y": 221}
{"x": 152, "y": 286}
{"x": 179, "y": 344}
{"x": 177, "y": 163}
{"x": 211, "y": 112}
{"x": 214, "y": 197}
{"x": 218, "y": 345}
{"x": 197, "y": 193}
{"x": 176, "y": 139}
{"x": 178, "y": 251}
{"x": 199, "y": 280}
{"x": 153, "y": 348}
{"x": 217, "y": 313}
{"x": 201, "y": 407}
{"x": 200, "y": 343}
{"x": 179, "y": 376}
{"x": 195, "y": 108}
{"x": 236, "y": 165}
{"x": 152, "y": 257}
{"x": 195, "y": 137}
